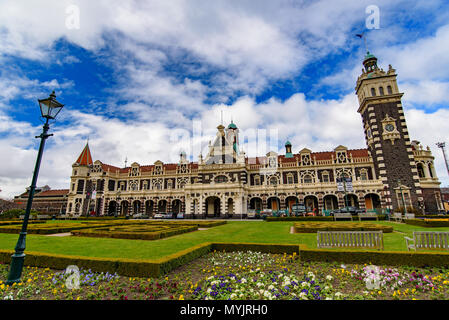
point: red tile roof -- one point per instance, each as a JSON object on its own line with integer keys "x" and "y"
{"x": 85, "y": 158}
{"x": 53, "y": 193}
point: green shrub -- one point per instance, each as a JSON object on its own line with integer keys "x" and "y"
{"x": 427, "y": 224}
{"x": 313, "y": 227}
{"x": 317, "y": 218}
{"x": 389, "y": 258}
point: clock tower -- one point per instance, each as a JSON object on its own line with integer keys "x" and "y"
{"x": 387, "y": 135}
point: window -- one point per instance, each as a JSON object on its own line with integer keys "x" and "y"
{"x": 273, "y": 181}
{"x": 389, "y": 90}
{"x": 308, "y": 179}
{"x": 373, "y": 92}
{"x": 221, "y": 179}
{"x": 363, "y": 176}
{"x": 290, "y": 179}
{"x": 325, "y": 177}
{"x": 257, "y": 181}
{"x": 381, "y": 91}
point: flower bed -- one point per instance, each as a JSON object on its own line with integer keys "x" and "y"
{"x": 313, "y": 227}
{"x": 239, "y": 276}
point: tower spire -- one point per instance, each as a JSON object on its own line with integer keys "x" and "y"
{"x": 85, "y": 158}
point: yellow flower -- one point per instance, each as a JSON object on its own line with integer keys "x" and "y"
{"x": 379, "y": 292}
{"x": 29, "y": 280}
{"x": 181, "y": 297}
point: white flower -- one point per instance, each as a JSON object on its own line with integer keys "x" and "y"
{"x": 338, "y": 294}
{"x": 343, "y": 266}
{"x": 233, "y": 296}
{"x": 209, "y": 290}
{"x": 259, "y": 284}
{"x": 243, "y": 280}
{"x": 329, "y": 278}
{"x": 305, "y": 284}
{"x": 271, "y": 287}
{"x": 303, "y": 296}
{"x": 328, "y": 298}
{"x": 326, "y": 288}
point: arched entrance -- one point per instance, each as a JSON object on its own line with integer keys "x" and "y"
{"x": 289, "y": 202}
{"x": 351, "y": 200}
{"x": 124, "y": 208}
{"x": 311, "y": 203}
{"x": 230, "y": 205}
{"x": 162, "y": 206}
{"x": 112, "y": 208}
{"x": 255, "y": 204}
{"x": 330, "y": 202}
{"x": 274, "y": 203}
{"x": 136, "y": 206}
{"x": 149, "y": 207}
{"x": 176, "y": 206}
{"x": 212, "y": 207}
{"x": 372, "y": 201}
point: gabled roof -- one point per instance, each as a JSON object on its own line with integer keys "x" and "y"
{"x": 85, "y": 158}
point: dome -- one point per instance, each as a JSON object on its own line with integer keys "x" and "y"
{"x": 288, "y": 143}
{"x": 232, "y": 125}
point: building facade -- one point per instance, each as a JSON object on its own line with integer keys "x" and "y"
{"x": 392, "y": 172}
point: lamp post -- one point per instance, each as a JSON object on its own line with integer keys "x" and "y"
{"x": 49, "y": 110}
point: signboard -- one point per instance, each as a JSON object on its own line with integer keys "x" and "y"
{"x": 341, "y": 185}
{"x": 94, "y": 194}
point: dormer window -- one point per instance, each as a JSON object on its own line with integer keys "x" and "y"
{"x": 381, "y": 91}
{"x": 389, "y": 90}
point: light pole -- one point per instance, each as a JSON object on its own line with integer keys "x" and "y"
{"x": 49, "y": 110}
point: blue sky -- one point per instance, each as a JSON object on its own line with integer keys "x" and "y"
{"x": 135, "y": 72}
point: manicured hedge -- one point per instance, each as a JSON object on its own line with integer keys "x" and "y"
{"x": 313, "y": 227}
{"x": 317, "y": 218}
{"x": 135, "y": 232}
{"x": 18, "y": 222}
{"x": 49, "y": 228}
{"x": 389, "y": 258}
{"x": 427, "y": 223}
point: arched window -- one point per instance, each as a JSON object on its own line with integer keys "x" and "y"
{"x": 307, "y": 178}
{"x": 221, "y": 179}
{"x": 381, "y": 91}
{"x": 421, "y": 170}
{"x": 389, "y": 90}
{"x": 273, "y": 181}
{"x": 373, "y": 92}
{"x": 430, "y": 170}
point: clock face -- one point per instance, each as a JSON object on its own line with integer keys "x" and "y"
{"x": 389, "y": 127}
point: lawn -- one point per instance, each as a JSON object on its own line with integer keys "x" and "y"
{"x": 233, "y": 231}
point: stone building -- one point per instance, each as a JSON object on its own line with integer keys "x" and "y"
{"x": 391, "y": 172}
{"x": 45, "y": 200}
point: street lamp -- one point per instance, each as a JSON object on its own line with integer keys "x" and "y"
{"x": 49, "y": 110}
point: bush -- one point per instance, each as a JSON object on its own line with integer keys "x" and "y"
{"x": 432, "y": 223}
{"x": 16, "y": 213}
{"x": 409, "y": 210}
{"x": 313, "y": 227}
{"x": 389, "y": 258}
{"x": 317, "y": 218}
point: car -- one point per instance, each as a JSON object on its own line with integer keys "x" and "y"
{"x": 158, "y": 216}
{"x": 350, "y": 209}
{"x": 180, "y": 215}
{"x": 251, "y": 214}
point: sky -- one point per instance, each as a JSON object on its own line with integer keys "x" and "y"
{"x": 143, "y": 80}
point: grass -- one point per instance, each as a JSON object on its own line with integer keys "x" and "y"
{"x": 233, "y": 231}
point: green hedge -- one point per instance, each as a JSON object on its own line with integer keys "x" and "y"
{"x": 313, "y": 227}
{"x": 152, "y": 233}
{"x": 49, "y": 228}
{"x": 389, "y": 258}
{"x": 317, "y": 218}
{"x": 427, "y": 224}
